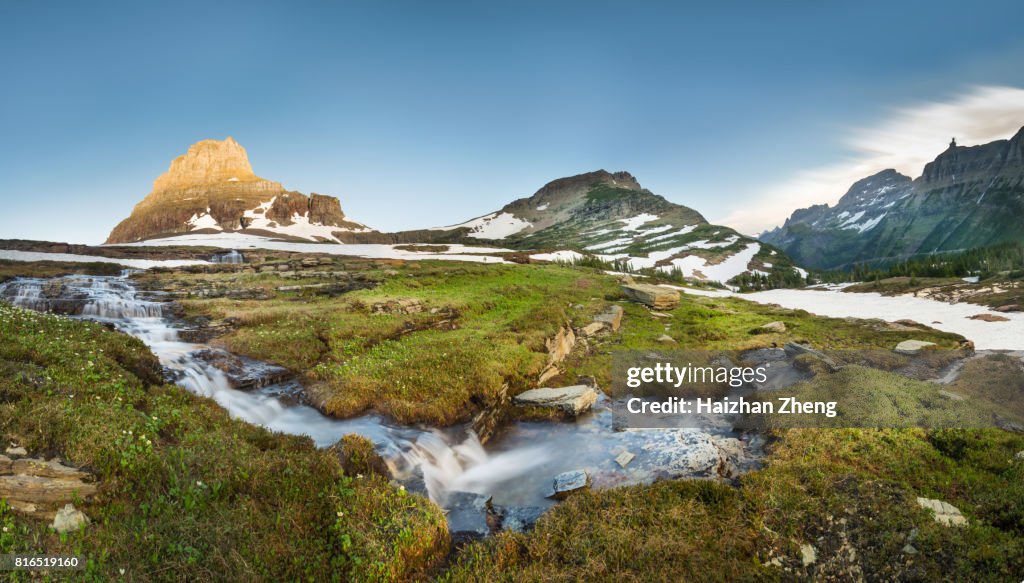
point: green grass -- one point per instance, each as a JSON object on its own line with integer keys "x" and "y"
{"x": 184, "y": 491}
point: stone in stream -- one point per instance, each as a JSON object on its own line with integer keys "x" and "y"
{"x": 912, "y": 347}
{"x": 566, "y": 483}
{"x": 518, "y": 518}
{"x": 659, "y": 298}
{"x": 468, "y": 515}
{"x": 573, "y": 400}
{"x": 624, "y": 458}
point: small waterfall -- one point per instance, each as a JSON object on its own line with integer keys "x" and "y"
{"x": 233, "y": 257}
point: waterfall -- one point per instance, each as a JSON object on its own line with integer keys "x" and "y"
{"x": 233, "y": 257}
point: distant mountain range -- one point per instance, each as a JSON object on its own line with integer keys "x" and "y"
{"x": 212, "y": 189}
{"x": 967, "y": 197}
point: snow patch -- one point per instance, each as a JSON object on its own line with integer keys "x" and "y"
{"x": 563, "y": 255}
{"x": 203, "y": 221}
{"x": 633, "y": 223}
{"x": 543, "y": 207}
{"x": 492, "y": 226}
{"x": 71, "y": 258}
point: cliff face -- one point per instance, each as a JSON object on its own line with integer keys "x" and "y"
{"x": 212, "y": 188}
{"x": 967, "y": 197}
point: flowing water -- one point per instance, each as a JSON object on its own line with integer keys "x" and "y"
{"x": 232, "y": 257}
{"x": 515, "y": 469}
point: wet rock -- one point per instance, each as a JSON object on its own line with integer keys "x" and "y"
{"x": 468, "y": 515}
{"x": 808, "y": 555}
{"x": 243, "y": 373}
{"x": 69, "y": 519}
{"x": 912, "y": 347}
{"x": 945, "y": 513}
{"x": 659, "y": 298}
{"x": 674, "y": 453}
{"x": 612, "y": 317}
{"x": 518, "y": 518}
{"x": 777, "y": 327}
{"x": 566, "y": 483}
{"x": 572, "y": 400}
{"x": 624, "y": 458}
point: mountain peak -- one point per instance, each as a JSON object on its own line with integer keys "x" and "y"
{"x": 207, "y": 162}
{"x": 212, "y": 188}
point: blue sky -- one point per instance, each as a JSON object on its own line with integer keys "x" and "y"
{"x": 419, "y": 114}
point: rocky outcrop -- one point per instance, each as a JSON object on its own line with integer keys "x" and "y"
{"x": 37, "y": 487}
{"x": 213, "y": 188}
{"x": 559, "y": 346}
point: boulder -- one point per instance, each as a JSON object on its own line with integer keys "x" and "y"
{"x": 658, "y": 298}
{"x": 468, "y": 516}
{"x": 573, "y": 400}
{"x": 592, "y": 329}
{"x": 945, "y": 513}
{"x": 566, "y": 483}
{"x": 1008, "y": 308}
{"x": 777, "y": 327}
{"x": 612, "y": 317}
{"x": 912, "y": 347}
{"x": 69, "y": 519}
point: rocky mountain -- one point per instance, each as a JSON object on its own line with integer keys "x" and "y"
{"x": 212, "y": 188}
{"x": 610, "y": 216}
{"x": 967, "y": 197}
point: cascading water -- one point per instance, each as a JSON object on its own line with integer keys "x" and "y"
{"x": 232, "y": 257}
{"x": 517, "y": 470}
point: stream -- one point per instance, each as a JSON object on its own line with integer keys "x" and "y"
{"x": 511, "y": 477}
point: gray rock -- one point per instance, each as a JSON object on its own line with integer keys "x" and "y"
{"x": 778, "y": 327}
{"x": 1020, "y": 455}
{"x": 16, "y": 451}
{"x": 666, "y": 339}
{"x": 467, "y": 516}
{"x": 69, "y": 519}
{"x": 912, "y": 347}
{"x": 573, "y": 400}
{"x": 566, "y": 483}
{"x": 945, "y": 513}
{"x": 624, "y": 458}
{"x": 612, "y": 317}
{"x": 519, "y": 518}
{"x": 909, "y": 549}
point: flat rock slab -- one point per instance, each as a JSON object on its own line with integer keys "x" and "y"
{"x": 659, "y": 298}
{"x": 573, "y": 400}
{"x": 45, "y": 469}
{"x": 39, "y": 490}
{"x": 568, "y": 482}
{"x": 945, "y": 513}
{"x": 624, "y": 458}
{"x": 912, "y": 347}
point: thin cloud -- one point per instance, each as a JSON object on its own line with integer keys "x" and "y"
{"x": 906, "y": 140}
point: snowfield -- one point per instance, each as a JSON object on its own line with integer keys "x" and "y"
{"x": 369, "y": 251}
{"x": 68, "y": 257}
{"x": 492, "y": 226}
{"x": 1008, "y": 335}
